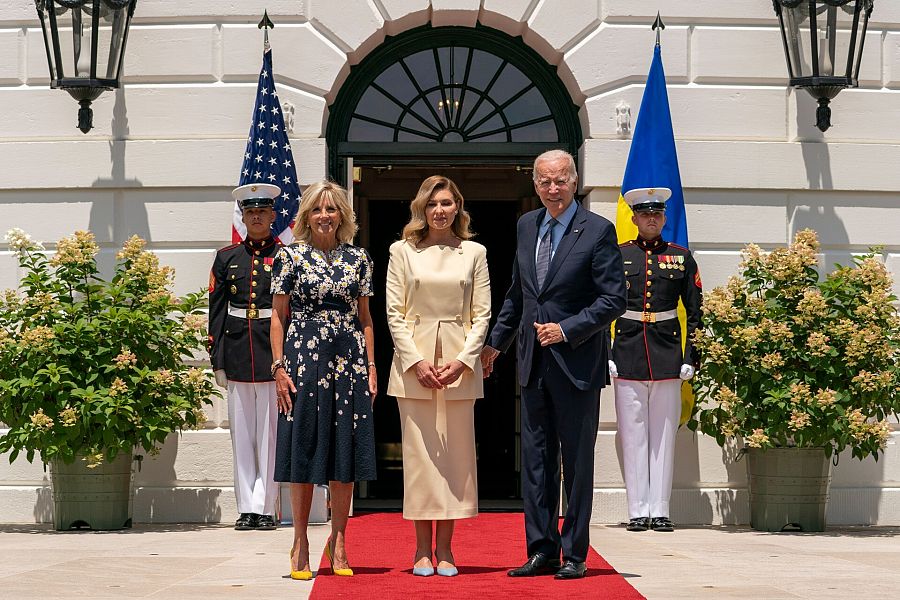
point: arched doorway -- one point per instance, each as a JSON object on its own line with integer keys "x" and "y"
{"x": 476, "y": 105}
{"x": 451, "y": 95}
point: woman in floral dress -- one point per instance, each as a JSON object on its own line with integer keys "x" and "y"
{"x": 325, "y": 370}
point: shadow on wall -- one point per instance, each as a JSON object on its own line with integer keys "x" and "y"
{"x": 129, "y": 220}
{"x": 43, "y": 504}
{"x": 725, "y": 504}
{"x": 817, "y": 211}
{"x": 159, "y": 469}
{"x": 173, "y": 504}
{"x": 158, "y": 499}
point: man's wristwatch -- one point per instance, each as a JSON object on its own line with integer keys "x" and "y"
{"x": 278, "y": 364}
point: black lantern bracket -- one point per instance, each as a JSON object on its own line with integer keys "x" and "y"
{"x": 810, "y": 30}
{"x": 92, "y": 62}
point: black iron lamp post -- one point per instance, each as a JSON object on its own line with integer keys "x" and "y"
{"x": 85, "y": 43}
{"x": 823, "y": 44}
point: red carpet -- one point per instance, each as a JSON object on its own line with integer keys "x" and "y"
{"x": 381, "y": 547}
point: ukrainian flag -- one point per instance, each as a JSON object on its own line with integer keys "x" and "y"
{"x": 653, "y": 162}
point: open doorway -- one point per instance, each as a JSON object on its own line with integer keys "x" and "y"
{"x": 495, "y": 196}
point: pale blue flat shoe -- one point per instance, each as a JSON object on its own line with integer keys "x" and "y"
{"x": 423, "y": 571}
{"x": 447, "y": 571}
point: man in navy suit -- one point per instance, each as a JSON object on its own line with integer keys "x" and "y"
{"x": 568, "y": 285}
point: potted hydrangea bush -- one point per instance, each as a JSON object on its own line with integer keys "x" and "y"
{"x": 92, "y": 369}
{"x": 799, "y": 367}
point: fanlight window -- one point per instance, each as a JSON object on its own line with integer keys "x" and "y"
{"x": 452, "y": 94}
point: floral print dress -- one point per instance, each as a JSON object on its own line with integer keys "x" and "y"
{"x": 330, "y": 434}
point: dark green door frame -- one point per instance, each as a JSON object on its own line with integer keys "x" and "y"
{"x": 512, "y": 50}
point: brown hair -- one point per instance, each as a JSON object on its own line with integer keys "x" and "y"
{"x": 311, "y": 197}
{"x": 417, "y": 228}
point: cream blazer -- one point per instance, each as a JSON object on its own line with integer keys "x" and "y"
{"x": 437, "y": 292}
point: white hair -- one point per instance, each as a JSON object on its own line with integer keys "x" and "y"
{"x": 554, "y": 155}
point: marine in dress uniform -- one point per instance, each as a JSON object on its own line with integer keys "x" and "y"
{"x": 240, "y": 309}
{"x": 647, "y": 360}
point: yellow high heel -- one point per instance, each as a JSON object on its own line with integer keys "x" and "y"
{"x": 298, "y": 575}
{"x": 329, "y": 552}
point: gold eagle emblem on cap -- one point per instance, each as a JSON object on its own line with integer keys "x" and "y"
{"x": 651, "y": 191}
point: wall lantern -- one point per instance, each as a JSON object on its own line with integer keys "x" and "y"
{"x": 823, "y": 44}
{"x": 85, "y": 43}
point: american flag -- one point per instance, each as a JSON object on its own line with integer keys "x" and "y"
{"x": 268, "y": 158}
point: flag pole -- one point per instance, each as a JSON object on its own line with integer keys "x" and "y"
{"x": 266, "y": 24}
{"x": 658, "y": 26}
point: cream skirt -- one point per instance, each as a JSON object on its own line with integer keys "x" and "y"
{"x": 439, "y": 475}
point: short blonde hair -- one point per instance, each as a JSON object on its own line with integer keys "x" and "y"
{"x": 552, "y": 156}
{"x": 311, "y": 198}
{"x": 417, "y": 228}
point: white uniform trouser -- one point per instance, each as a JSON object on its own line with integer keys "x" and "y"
{"x": 647, "y": 413}
{"x": 253, "y": 418}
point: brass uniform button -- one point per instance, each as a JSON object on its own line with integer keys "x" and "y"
{"x": 252, "y": 305}
{"x": 649, "y": 272}
{"x": 255, "y": 272}
{"x": 253, "y": 283}
{"x": 255, "y": 261}
{"x": 648, "y": 294}
{"x": 647, "y": 305}
{"x": 253, "y": 294}
{"x": 256, "y": 253}
{"x": 649, "y": 262}
{"x": 649, "y": 283}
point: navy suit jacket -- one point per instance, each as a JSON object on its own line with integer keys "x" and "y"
{"x": 584, "y": 291}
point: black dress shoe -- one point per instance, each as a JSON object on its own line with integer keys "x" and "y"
{"x": 265, "y": 522}
{"x": 638, "y": 524}
{"x": 661, "y": 524}
{"x": 245, "y": 521}
{"x": 571, "y": 570}
{"x": 538, "y": 564}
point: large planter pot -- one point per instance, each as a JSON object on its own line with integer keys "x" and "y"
{"x": 98, "y": 498}
{"x": 788, "y": 488}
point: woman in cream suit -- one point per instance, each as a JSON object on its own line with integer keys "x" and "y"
{"x": 438, "y": 308}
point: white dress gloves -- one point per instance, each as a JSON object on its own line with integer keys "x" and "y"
{"x": 687, "y": 371}
{"x": 221, "y": 379}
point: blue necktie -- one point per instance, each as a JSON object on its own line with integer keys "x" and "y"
{"x": 543, "y": 256}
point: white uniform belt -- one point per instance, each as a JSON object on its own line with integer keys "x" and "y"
{"x": 249, "y": 313}
{"x": 650, "y": 317}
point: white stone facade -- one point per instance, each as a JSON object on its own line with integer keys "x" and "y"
{"x": 167, "y": 147}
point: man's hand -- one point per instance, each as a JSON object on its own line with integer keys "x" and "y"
{"x": 428, "y": 375}
{"x": 221, "y": 379}
{"x": 548, "y": 333}
{"x": 687, "y": 372}
{"x": 488, "y": 356}
{"x": 613, "y": 370}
